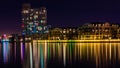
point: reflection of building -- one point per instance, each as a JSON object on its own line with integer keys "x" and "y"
{"x": 98, "y": 31}
{"x": 34, "y": 20}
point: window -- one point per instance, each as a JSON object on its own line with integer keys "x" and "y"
{"x": 99, "y": 25}
{"x": 36, "y": 12}
{"x": 31, "y": 23}
{"x": 31, "y": 9}
{"x": 39, "y": 28}
{"x": 22, "y": 18}
{"x": 35, "y": 16}
{"x": 31, "y": 14}
{"x": 42, "y": 21}
{"x": 25, "y": 11}
{"x": 31, "y": 18}
{"x": 30, "y": 29}
{"x": 27, "y": 18}
{"x": 96, "y": 25}
{"x": 64, "y": 31}
{"x": 44, "y": 10}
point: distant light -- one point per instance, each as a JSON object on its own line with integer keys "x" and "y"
{"x": 23, "y": 33}
{"x": 4, "y": 35}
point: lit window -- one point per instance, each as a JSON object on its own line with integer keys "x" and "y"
{"x": 106, "y": 30}
{"x": 60, "y": 31}
{"x": 31, "y": 9}
{"x": 35, "y": 16}
{"x": 22, "y": 18}
{"x": 103, "y": 24}
{"x": 30, "y": 17}
{"x": 73, "y": 30}
{"x": 42, "y": 21}
{"x": 31, "y": 14}
{"x": 36, "y": 24}
{"x": 44, "y": 10}
{"x": 67, "y": 31}
{"x": 44, "y": 28}
{"x": 99, "y": 25}
{"x": 31, "y": 23}
{"x": 37, "y": 12}
{"x": 64, "y": 31}
{"x": 96, "y": 25}
{"x": 30, "y": 29}
{"x": 25, "y": 11}
{"x": 43, "y": 17}
{"x": 40, "y": 28}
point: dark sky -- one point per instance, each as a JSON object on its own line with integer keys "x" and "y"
{"x": 60, "y": 12}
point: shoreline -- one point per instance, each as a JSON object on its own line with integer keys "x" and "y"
{"x": 80, "y": 41}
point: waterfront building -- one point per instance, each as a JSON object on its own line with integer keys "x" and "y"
{"x": 118, "y": 33}
{"x": 87, "y": 31}
{"x": 34, "y": 20}
{"x": 63, "y": 33}
{"x": 98, "y": 30}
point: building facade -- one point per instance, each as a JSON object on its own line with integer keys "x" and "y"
{"x": 87, "y": 31}
{"x": 34, "y": 20}
{"x": 62, "y": 33}
{"x": 98, "y": 31}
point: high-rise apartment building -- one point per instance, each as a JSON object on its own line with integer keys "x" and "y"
{"x": 34, "y": 20}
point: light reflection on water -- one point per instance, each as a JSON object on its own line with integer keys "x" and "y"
{"x": 6, "y": 51}
{"x": 61, "y": 55}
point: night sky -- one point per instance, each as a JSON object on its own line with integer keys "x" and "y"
{"x": 60, "y": 12}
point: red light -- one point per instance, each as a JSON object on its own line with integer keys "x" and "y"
{"x": 22, "y": 26}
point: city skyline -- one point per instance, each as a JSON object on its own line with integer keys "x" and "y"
{"x": 60, "y": 13}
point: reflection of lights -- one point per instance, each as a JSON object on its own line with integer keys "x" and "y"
{"x": 110, "y": 50}
{"x": 15, "y": 50}
{"x": 114, "y": 52}
{"x": 64, "y": 54}
{"x": 22, "y": 51}
{"x": 45, "y": 52}
{"x": 5, "y": 51}
{"x": 48, "y": 52}
{"x": 41, "y": 57}
{"x": 0, "y": 49}
{"x": 31, "y": 60}
{"x": 99, "y": 53}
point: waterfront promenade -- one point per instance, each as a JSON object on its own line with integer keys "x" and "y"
{"x": 80, "y": 41}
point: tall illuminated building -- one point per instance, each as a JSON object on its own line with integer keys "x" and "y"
{"x": 34, "y": 20}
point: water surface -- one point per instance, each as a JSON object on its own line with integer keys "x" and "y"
{"x": 59, "y": 55}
